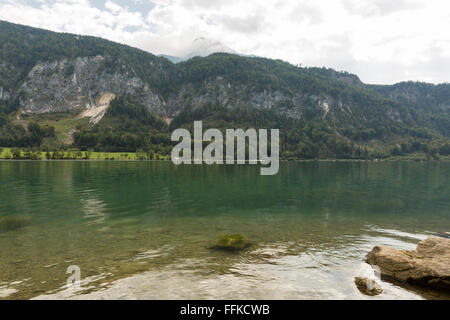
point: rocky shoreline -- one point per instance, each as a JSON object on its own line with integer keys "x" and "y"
{"x": 428, "y": 266}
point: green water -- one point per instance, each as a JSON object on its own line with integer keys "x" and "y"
{"x": 143, "y": 229}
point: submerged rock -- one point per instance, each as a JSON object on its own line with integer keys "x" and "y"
{"x": 231, "y": 242}
{"x": 368, "y": 286}
{"x": 428, "y": 265}
{"x": 10, "y": 223}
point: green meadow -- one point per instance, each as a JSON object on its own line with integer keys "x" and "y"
{"x": 21, "y": 154}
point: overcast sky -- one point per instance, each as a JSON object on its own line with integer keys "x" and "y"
{"x": 382, "y": 41}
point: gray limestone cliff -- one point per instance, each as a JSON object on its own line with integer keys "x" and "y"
{"x": 84, "y": 83}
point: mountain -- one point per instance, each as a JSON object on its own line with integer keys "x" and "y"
{"x": 172, "y": 59}
{"x": 432, "y": 100}
{"x": 71, "y": 82}
{"x": 201, "y": 47}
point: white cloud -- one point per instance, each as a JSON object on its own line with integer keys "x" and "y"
{"x": 383, "y": 41}
{"x": 114, "y": 8}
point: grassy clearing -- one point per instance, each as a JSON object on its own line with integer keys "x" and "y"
{"x": 63, "y": 122}
{"x": 8, "y": 153}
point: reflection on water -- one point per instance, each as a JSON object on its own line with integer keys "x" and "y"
{"x": 94, "y": 210}
{"x": 141, "y": 230}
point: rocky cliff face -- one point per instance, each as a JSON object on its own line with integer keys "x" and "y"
{"x": 4, "y": 95}
{"x": 296, "y": 104}
{"x": 223, "y": 92}
{"x": 8, "y": 75}
{"x": 87, "y": 85}
{"x": 82, "y": 84}
{"x": 430, "y": 97}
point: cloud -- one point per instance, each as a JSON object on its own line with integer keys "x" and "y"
{"x": 306, "y": 12}
{"x": 379, "y": 7}
{"x": 382, "y": 41}
{"x": 114, "y": 8}
{"x": 247, "y": 25}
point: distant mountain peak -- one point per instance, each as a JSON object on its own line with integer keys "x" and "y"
{"x": 204, "y": 47}
{"x": 201, "y": 47}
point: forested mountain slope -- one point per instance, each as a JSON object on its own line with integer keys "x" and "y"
{"x": 95, "y": 92}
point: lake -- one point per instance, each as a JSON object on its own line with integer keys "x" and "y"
{"x": 143, "y": 230}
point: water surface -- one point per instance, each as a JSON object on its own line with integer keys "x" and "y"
{"x": 141, "y": 230}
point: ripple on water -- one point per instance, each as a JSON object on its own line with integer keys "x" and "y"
{"x": 142, "y": 230}
{"x": 269, "y": 272}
